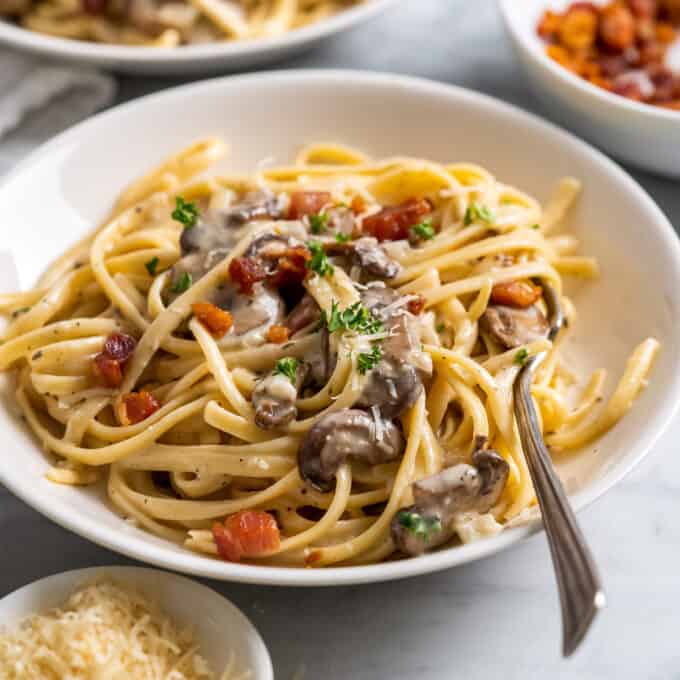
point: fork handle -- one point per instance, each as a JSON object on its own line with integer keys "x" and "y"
{"x": 579, "y": 585}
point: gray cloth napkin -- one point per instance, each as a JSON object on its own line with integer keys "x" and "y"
{"x": 39, "y": 99}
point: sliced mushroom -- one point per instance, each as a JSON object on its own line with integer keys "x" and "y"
{"x": 373, "y": 259}
{"x": 429, "y": 522}
{"x": 512, "y": 327}
{"x": 303, "y": 314}
{"x": 249, "y": 312}
{"x": 395, "y": 383}
{"x": 274, "y": 399}
{"x": 349, "y": 433}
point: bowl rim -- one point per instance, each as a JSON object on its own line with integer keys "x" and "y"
{"x": 568, "y": 79}
{"x": 126, "y": 55}
{"x": 198, "y": 565}
{"x": 65, "y": 581}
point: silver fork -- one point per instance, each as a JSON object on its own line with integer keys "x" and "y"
{"x": 578, "y": 582}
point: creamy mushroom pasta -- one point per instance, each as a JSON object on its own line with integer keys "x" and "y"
{"x": 312, "y": 365}
{"x": 168, "y": 23}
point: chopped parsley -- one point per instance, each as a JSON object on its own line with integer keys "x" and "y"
{"x": 185, "y": 212}
{"x": 151, "y": 265}
{"x": 318, "y": 223}
{"x": 287, "y": 367}
{"x": 478, "y": 213}
{"x": 319, "y": 262}
{"x": 440, "y": 328}
{"x": 182, "y": 284}
{"x": 535, "y": 226}
{"x": 424, "y": 230}
{"x": 355, "y": 318}
{"x": 521, "y": 357}
{"x": 367, "y": 360}
{"x": 342, "y": 238}
{"x": 419, "y": 526}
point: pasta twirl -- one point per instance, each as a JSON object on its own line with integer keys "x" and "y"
{"x": 312, "y": 365}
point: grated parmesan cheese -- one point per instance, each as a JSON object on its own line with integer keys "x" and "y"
{"x": 103, "y": 632}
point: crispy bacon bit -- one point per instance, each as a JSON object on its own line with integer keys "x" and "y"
{"x": 107, "y": 370}
{"x": 358, "y": 204}
{"x": 291, "y": 267}
{"x": 578, "y": 29}
{"x": 617, "y": 27}
{"x": 278, "y": 334}
{"x": 515, "y": 294}
{"x": 109, "y": 364}
{"x": 216, "y": 320}
{"x": 416, "y": 305}
{"x": 246, "y": 272}
{"x": 94, "y": 6}
{"x": 393, "y": 223}
{"x": 307, "y": 203}
{"x": 136, "y": 406}
{"x": 248, "y": 533}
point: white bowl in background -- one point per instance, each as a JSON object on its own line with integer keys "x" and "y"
{"x": 188, "y": 60}
{"x": 220, "y": 628}
{"x": 68, "y": 185}
{"x": 644, "y": 136}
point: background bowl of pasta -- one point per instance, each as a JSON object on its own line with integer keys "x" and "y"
{"x": 208, "y": 36}
{"x": 627, "y": 294}
{"x": 632, "y": 131}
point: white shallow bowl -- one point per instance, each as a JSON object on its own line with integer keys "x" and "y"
{"x": 642, "y": 135}
{"x": 63, "y": 189}
{"x": 220, "y": 628}
{"x": 189, "y": 60}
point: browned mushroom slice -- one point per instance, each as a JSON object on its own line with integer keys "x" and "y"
{"x": 303, "y": 314}
{"x": 373, "y": 259}
{"x": 428, "y": 523}
{"x": 349, "y": 433}
{"x": 274, "y": 398}
{"x": 513, "y": 327}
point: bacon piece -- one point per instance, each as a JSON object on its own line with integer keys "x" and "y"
{"x": 246, "y": 272}
{"x": 109, "y": 364}
{"x": 217, "y": 321}
{"x": 291, "y": 267}
{"x": 578, "y": 29}
{"x": 248, "y": 533}
{"x": 107, "y": 370}
{"x": 307, "y": 203}
{"x": 278, "y": 334}
{"x": 393, "y": 223}
{"x": 358, "y": 204}
{"x": 617, "y": 27}
{"x": 515, "y": 294}
{"x": 549, "y": 25}
{"x": 94, "y": 7}
{"x": 136, "y": 406}
{"x": 416, "y": 305}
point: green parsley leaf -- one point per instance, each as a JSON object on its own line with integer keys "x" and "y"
{"x": 535, "y": 226}
{"x": 182, "y": 284}
{"x": 318, "y": 223}
{"x": 419, "y": 526}
{"x": 478, "y": 213}
{"x": 185, "y": 212}
{"x": 355, "y": 318}
{"x": 440, "y": 328}
{"x": 424, "y": 230}
{"x": 319, "y": 262}
{"x": 521, "y": 357}
{"x": 343, "y": 238}
{"x": 367, "y": 360}
{"x": 151, "y": 265}
{"x": 287, "y": 367}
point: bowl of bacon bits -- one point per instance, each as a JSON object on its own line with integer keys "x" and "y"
{"x": 610, "y": 70}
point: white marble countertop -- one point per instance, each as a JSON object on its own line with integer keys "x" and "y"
{"x": 497, "y": 618}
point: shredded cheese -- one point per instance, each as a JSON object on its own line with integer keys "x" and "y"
{"x": 103, "y": 632}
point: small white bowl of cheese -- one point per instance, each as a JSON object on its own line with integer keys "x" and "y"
{"x": 122, "y": 622}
